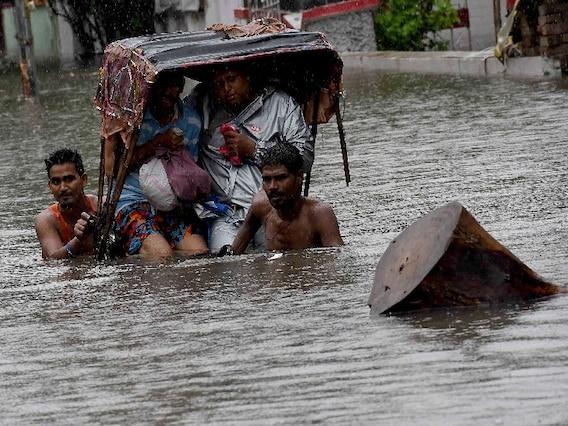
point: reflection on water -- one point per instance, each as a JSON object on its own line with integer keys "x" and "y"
{"x": 250, "y": 340}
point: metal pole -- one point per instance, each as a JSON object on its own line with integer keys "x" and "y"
{"x": 24, "y": 37}
{"x": 497, "y": 16}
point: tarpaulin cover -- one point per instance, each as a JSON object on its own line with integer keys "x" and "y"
{"x": 303, "y": 62}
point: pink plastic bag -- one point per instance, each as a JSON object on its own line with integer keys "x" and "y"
{"x": 189, "y": 182}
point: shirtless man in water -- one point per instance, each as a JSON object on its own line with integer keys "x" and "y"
{"x": 291, "y": 220}
{"x": 62, "y": 228}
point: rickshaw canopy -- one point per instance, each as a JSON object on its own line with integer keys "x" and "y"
{"x": 302, "y": 63}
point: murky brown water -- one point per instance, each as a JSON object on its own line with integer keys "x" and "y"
{"x": 250, "y": 340}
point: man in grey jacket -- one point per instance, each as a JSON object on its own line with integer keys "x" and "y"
{"x": 241, "y": 121}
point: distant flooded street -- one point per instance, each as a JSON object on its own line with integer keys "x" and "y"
{"x": 254, "y": 341}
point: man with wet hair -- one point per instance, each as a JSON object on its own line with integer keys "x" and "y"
{"x": 171, "y": 124}
{"x": 242, "y": 118}
{"x": 292, "y": 222}
{"x": 61, "y": 229}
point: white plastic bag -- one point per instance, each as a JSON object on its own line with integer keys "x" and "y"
{"x": 156, "y": 187}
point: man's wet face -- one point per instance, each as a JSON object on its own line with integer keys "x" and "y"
{"x": 66, "y": 184}
{"x": 282, "y": 187}
{"x": 232, "y": 89}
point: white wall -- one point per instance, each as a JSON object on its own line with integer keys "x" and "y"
{"x": 66, "y": 41}
{"x": 181, "y": 21}
{"x": 482, "y": 27}
{"x": 46, "y": 40}
{"x": 221, "y": 11}
{"x": 215, "y": 11}
{"x": 481, "y": 24}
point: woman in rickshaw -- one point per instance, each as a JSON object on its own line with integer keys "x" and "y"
{"x": 171, "y": 124}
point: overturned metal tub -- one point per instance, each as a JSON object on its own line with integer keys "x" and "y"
{"x": 446, "y": 259}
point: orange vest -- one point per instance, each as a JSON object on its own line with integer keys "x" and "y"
{"x": 65, "y": 229}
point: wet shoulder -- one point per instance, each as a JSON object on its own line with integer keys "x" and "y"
{"x": 281, "y": 98}
{"x": 260, "y": 204}
{"x": 317, "y": 209}
{"x": 47, "y": 218}
{"x": 93, "y": 201}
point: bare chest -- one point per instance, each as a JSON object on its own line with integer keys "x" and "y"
{"x": 289, "y": 235}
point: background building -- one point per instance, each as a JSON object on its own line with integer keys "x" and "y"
{"x": 479, "y": 31}
{"x": 348, "y": 24}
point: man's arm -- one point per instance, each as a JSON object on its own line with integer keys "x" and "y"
{"x": 52, "y": 246}
{"x": 327, "y": 226}
{"x": 252, "y": 223}
{"x": 49, "y": 239}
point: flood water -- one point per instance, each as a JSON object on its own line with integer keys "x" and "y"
{"x": 254, "y": 340}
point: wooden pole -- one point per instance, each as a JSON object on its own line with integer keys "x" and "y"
{"x": 25, "y": 40}
{"x": 497, "y": 16}
{"x": 342, "y": 142}
{"x": 114, "y": 188}
{"x": 314, "y": 131}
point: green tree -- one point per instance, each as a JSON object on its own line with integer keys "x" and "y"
{"x": 408, "y": 24}
{"x": 96, "y": 23}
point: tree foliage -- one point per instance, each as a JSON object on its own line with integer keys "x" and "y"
{"x": 96, "y": 23}
{"x": 408, "y": 24}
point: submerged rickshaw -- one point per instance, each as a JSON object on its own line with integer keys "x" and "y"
{"x": 303, "y": 64}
